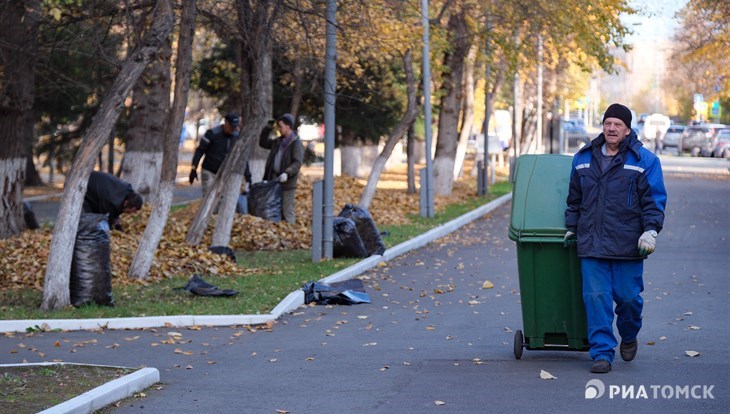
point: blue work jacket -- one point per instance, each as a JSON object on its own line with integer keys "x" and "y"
{"x": 609, "y": 210}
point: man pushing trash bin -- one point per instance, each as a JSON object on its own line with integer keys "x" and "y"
{"x": 616, "y": 202}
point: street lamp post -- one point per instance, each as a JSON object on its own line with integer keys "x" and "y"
{"x": 427, "y": 196}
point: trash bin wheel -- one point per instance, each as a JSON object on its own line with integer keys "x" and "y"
{"x": 519, "y": 344}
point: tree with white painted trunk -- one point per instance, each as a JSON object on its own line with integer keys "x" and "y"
{"x": 18, "y": 31}
{"x": 450, "y": 108}
{"x": 410, "y": 115}
{"x": 467, "y": 119}
{"x": 146, "y": 134}
{"x": 56, "y": 284}
{"x": 143, "y": 258}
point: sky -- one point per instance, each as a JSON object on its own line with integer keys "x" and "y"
{"x": 658, "y": 24}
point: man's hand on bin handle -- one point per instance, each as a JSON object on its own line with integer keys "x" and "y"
{"x": 193, "y": 175}
{"x": 569, "y": 239}
{"x": 647, "y": 242}
{"x": 283, "y": 177}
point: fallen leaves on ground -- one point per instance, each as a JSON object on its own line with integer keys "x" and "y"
{"x": 24, "y": 258}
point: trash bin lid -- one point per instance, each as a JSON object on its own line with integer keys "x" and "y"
{"x": 539, "y": 197}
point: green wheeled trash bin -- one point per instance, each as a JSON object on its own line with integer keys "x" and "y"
{"x": 553, "y": 314}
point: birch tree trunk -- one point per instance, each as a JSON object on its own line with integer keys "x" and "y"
{"x": 143, "y": 258}
{"x": 467, "y": 121}
{"x": 18, "y": 32}
{"x": 443, "y": 164}
{"x": 411, "y": 112}
{"x": 56, "y": 285}
{"x": 146, "y": 134}
{"x": 255, "y": 26}
{"x": 261, "y": 76}
{"x": 491, "y": 98}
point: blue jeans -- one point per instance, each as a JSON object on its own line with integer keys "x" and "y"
{"x": 607, "y": 281}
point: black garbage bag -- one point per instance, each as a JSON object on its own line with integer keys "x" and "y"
{"x": 264, "y": 200}
{"x": 224, "y": 250}
{"x": 346, "y": 240}
{"x": 91, "y": 275}
{"x": 196, "y": 285}
{"x": 30, "y": 221}
{"x": 349, "y": 292}
{"x": 365, "y": 228}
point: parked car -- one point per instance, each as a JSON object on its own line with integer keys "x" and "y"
{"x": 575, "y": 133}
{"x": 673, "y": 136}
{"x": 722, "y": 144}
{"x": 697, "y": 139}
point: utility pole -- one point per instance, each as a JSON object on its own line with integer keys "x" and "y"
{"x": 329, "y": 127}
{"x": 428, "y": 211}
{"x": 538, "y": 128}
{"x": 516, "y": 124}
{"x": 482, "y": 170}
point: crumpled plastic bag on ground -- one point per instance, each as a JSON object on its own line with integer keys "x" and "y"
{"x": 349, "y": 292}
{"x": 200, "y": 287}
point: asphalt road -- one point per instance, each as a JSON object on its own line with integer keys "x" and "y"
{"x": 433, "y": 335}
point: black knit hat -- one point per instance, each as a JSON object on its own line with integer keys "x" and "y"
{"x": 288, "y": 119}
{"x": 618, "y": 111}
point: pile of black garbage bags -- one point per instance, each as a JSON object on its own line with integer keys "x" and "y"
{"x": 355, "y": 234}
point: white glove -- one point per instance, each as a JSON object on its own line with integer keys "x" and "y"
{"x": 647, "y": 243}
{"x": 569, "y": 239}
{"x": 283, "y": 177}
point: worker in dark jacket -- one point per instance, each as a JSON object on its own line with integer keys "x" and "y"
{"x": 107, "y": 194}
{"x": 284, "y": 161}
{"x": 215, "y": 145}
{"x": 615, "y": 210}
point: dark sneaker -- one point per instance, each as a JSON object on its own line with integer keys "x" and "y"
{"x": 628, "y": 350}
{"x": 601, "y": 367}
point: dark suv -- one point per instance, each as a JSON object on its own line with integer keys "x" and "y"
{"x": 697, "y": 139}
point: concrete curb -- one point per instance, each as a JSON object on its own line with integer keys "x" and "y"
{"x": 102, "y": 395}
{"x": 289, "y": 303}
